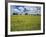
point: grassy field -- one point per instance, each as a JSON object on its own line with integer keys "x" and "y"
{"x": 25, "y": 23}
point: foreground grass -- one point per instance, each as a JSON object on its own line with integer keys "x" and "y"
{"x": 25, "y": 23}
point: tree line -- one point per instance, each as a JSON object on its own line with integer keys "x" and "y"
{"x": 26, "y": 14}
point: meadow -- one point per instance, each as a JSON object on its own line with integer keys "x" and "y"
{"x": 25, "y": 23}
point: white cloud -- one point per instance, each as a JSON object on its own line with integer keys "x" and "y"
{"x": 30, "y": 10}
{"x": 21, "y": 9}
{"x": 16, "y": 10}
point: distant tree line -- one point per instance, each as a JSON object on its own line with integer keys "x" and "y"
{"x": 27, "y": 14}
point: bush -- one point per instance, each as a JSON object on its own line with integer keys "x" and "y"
{"x": 38, "y": 14}
{"x": 26, "y": 13}
{"x": 15, "y": 13}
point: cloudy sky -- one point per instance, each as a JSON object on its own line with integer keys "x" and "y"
{"x": 25, "y": 9}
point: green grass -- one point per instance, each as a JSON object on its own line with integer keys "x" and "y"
{"x": 25, "y": 23}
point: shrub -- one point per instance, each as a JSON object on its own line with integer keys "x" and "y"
{"x": 38, "y": 14}
{"x": 26, "y": 13}
{"x": 15, "y": 13}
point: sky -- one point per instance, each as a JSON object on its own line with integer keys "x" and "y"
{"x": 25, "y": 9}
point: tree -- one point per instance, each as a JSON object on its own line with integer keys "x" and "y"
{"x": 38, "y": 14}
{"x": 26, "y": 13}
{"x": 15, "y": 13}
